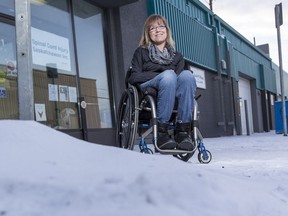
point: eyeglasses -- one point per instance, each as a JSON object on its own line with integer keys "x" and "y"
{"x": 154, "y": 29}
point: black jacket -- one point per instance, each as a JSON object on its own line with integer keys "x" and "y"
{"x": 143, "y": 69}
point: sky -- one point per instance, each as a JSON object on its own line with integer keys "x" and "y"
{"x": 256, "y": 19}
{"x": 45, "y": 172}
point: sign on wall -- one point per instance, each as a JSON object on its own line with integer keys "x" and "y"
{"x": 199, "y": 76}
{"x": 50, "y": 48}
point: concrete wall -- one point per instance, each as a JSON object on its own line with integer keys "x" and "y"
{"x": 132, "y": 21}
{"x": 126, "y": 25}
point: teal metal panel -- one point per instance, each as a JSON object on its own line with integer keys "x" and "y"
{"x": 192, "y": 38}
{"x": 190, "y": 23}
{"x": 268, "y": 79}
{"x": 249, "y": 58}
{"x": 265, "y": 77}
{"x": 246, "y": 47}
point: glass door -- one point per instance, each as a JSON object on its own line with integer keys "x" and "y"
{"x": 94, "y": 87}
{"x": 8, "y": 71}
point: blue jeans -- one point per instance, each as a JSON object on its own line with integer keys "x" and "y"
{"x": 171, "y": 86}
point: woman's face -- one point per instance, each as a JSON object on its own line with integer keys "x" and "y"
{"x": 158, "y": 33}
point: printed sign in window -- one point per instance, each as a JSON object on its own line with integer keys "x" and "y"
{"x": 40, "y": 112}
{"x": 53, "y": 92}
{"x": 63, "y": 93}
{"x": 73, "y": 94}
{"x": 50, "y": 48}
{"x": 2, "y": 92}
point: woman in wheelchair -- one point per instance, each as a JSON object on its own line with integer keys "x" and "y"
{"x": 156, "y": 64}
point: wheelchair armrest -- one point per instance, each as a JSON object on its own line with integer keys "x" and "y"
{"x": 150, "y": 91}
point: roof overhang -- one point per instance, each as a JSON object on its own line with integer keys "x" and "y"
{"x": 113, "y": 3}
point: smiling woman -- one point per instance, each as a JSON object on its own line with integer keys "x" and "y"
{"x": 156, "y": 64}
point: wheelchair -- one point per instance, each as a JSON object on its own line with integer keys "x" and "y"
{"x": 137, "y": 120}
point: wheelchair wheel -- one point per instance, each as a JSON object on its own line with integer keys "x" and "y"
{"x": 205, "y": 157}
{"x": 127, "y": 119}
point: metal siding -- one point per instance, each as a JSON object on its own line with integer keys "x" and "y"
{"x": 189, "y": 21}
{"x": 271, "y": 82}
{"x": 250, "y": 60}
{"x": 268, "y": 79}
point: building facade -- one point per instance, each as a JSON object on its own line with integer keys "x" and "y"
{"x": 63, "y": 64}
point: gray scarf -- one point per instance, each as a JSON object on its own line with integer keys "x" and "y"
{"x": 165, "y": 58}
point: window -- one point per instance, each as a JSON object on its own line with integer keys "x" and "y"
{"x": 54, "y": 71}
{"x": 58, "y": 80}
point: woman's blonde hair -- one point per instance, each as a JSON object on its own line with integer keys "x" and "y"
{"x": 145, "y": 40}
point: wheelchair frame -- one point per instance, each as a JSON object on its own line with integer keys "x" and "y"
{"x": 128, "y": 124}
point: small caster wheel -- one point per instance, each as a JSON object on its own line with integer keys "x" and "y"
{"x": 205, "y": 157}
{"x": 146, "y": 151}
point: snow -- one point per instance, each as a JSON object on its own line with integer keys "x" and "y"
{"x": 46, "y": 172}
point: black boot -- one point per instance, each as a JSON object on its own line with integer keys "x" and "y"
{"x": 164, "y": 141}
{"x": 183, "y": 136}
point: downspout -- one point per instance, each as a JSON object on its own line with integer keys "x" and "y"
{"x": 219, "y": 79}
{"x": 229, "y": 81}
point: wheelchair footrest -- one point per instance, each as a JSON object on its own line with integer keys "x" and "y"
{"x": 174, "y": 151}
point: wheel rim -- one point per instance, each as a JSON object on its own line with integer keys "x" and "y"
{"x": 204, "y": 160}
{"x": 127, "y": 119}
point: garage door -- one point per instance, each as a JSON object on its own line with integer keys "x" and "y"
{"x": 245, "y": 95}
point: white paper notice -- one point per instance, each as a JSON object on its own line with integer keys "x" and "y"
{"x": 53, "y": 92}
{"x": 72, "y": 94}
{"x": 40, "y": 112}
{"x": 63, "y": 93}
